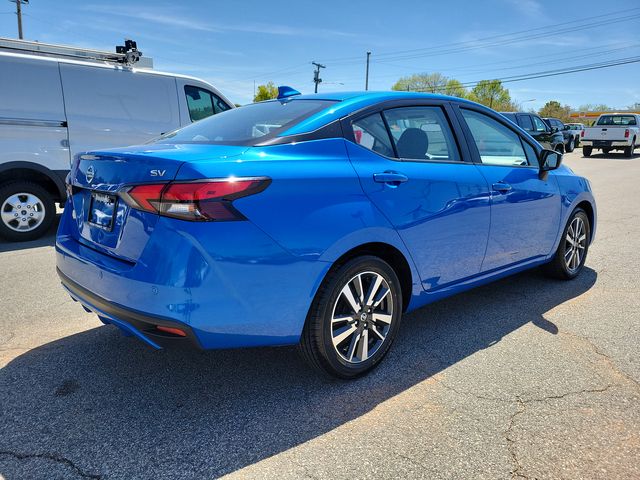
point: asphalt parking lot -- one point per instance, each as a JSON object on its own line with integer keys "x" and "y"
{"x": 523, "y": 378}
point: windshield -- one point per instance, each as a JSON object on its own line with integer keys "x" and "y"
{"x": 248, "y": 125}
{"x": 617, "y": 120}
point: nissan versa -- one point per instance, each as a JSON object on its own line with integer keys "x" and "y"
{"x": 315, "y": 220}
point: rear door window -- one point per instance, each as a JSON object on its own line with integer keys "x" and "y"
{"x": 525, "y": 122}
{"x": 371, "y": 132}
{"x": 203, "y": 103}
{"x": 421, "y": 133}
{"x": 538, "y": 124}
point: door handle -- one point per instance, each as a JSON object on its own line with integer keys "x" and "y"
{"x": 391, "y": 178}
{"x": 501, "y": 187}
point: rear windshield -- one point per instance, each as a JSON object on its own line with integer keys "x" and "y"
{"x": 617, "y": 120}
{"x": 248, "y": 125}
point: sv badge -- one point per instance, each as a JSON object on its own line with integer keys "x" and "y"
{"x": 157, "y": 173}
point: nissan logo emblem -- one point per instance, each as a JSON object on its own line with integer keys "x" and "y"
{"x": 90, "y": 174}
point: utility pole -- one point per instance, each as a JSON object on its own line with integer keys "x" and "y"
{"x": 19, "y": 14}
{"x": 316, "y": 74}
{"x": 366, "y": 78}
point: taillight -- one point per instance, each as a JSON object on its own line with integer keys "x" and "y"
{"x": 626, "y": 133}
{"x": 582, "y": 133}
{"x": 205, "y": 201}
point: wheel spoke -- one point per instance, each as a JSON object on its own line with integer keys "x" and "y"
{"x": 341, "y": 319}
{"x": 381, "y": 297}
{"x": 382, "y": 317}
{"x": 363, "y": 346}
{"x": 376, "y": 332}
{"x": 359, "y": 289}
{"x": 348, "y": 294}
{"x": 373, "y": 290}
{"x": 352, "y": 347}
{"x": 338, "y": 339}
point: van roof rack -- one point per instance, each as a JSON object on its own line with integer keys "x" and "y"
{"x": 127, "y": 54}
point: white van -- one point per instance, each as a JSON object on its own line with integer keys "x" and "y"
{"x": 56, "y": 101}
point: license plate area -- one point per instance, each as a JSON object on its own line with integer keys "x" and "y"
{"x": 102, "y": 210}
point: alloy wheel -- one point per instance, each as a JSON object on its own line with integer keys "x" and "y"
{"x": 575, "y": 244}
{"x": 361, "y": 317}
{"x": 22, "y": 212}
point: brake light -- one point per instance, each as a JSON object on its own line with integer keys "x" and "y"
{"x": 626, "y": 133}
{"x": 208, "y": 200}
{"x": 582, "y": 133}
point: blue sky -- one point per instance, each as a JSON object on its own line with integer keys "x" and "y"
{"x": 234, "y": 43}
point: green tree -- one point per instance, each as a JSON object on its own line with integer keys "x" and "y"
{"x": 422, "y": 82}
{"x": 595, "y": 107}
{"x": 455, "y": 89}
{"x": 492, "y": 94}
{"x": 266, "y": 92}
{"x": 554, "y": 109}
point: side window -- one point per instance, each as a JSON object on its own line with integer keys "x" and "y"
{"x": 421, "y": 133}
{"x": 202, "y": 103}
{"x": 532, "y": 156}
{"x": 497, "y": 144}
{"x": 539, "y": 125}
{"x": 525, "y": 122}
{"x": 371, "y": 133}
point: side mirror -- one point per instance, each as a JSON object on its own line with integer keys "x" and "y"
{"x": 567, "y": 127}
{"x": 549, "y": 160}
{"x": 554, "y": 129}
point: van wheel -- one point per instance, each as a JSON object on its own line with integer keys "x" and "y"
{"x": 353, "y": 319}
{"x": 26, "y": 211}
{"x": 586, "y": 151}
{"x": 628, "y": 151}
{"x": 572, "y": 251}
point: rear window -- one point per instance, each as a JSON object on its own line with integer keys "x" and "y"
{"x": 247, "y": 125}
{"x": 617, "y": 120}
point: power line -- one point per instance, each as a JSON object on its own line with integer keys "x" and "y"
{"x": 549, "y": 73}
{"x": 443, "y": 49}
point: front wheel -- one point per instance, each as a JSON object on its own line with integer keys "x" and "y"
{"x": 353, "y": 319}
{"x": 571, "y": 254}
{"x": 26, "y": 211}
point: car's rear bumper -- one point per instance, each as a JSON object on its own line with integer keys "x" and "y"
{"x": 131, "y": 322}
{"x": 226, "y": 285}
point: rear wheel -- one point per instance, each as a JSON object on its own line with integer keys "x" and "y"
{"x": 26, "y": 211}
{"x": 572, "y": 251}
{"x": 586, "y": 151}
{"x": 571, "y": 145}
{"x": 628, "y": 151}
{"x": 353, "y": 319}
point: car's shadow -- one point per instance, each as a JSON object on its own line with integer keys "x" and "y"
{"x": 48, "y": 240}
{"x": 613, "y": 156}
{"x": 118, "y": 409}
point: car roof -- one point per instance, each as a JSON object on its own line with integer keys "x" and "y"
{"x": 349, "y": 102}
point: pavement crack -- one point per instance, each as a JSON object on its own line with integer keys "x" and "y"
{"x": 53, "y": 457}
{"x": 516, "y": 471}
{"x": 607, "y": 359}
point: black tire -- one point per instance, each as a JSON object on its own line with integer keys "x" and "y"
{"x": 558, "y": 267}
{"x": 46, "y": 209}
{"x": 587, "y": 151}
{"x": 316, "y": 344}
{"x": 606, "y": 151}
{"x": 628, "y": 151}
{"x": 560, "y": 148}
{"x": 577, "y": 141}
{"x": 571, "y": 145}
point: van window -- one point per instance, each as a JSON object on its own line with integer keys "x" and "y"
{"x": 203, "y": 103}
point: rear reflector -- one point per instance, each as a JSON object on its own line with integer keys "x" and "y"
{"x": 208, "y": 200}
{"x": 173, "y": 331}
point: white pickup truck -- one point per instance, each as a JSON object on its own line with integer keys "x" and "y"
{"x": 612, "y": 131}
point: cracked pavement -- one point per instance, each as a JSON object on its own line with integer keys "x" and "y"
{"x": 523, "y": 378}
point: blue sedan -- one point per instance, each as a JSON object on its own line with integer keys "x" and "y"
{"x": 315, "y": 220}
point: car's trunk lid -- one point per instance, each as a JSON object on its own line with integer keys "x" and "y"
{"x": 103, "y": 220}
